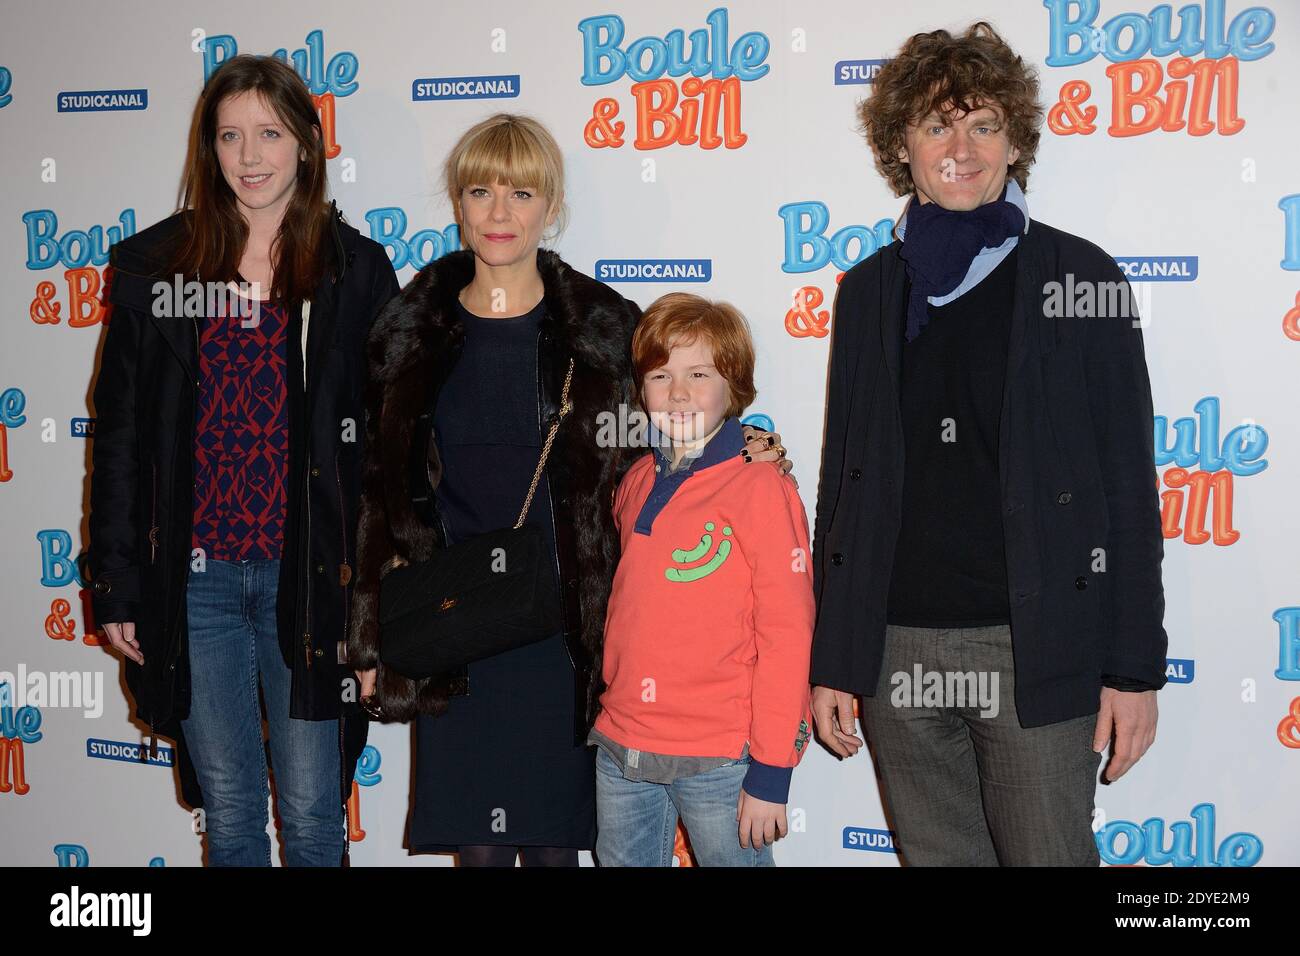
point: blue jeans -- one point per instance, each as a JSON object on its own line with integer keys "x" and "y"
{"x": 637, "y": 821}
{"x": 233, "y": 641}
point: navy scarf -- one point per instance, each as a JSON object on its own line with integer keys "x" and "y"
{"x": 940, "y": 244}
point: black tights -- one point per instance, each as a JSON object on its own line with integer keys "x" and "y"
{"x": 505, "y": 855}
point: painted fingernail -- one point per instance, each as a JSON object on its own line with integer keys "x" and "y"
{"x": 747, "y": 458}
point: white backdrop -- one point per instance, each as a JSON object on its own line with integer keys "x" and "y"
{"x": 1222, "y": 206}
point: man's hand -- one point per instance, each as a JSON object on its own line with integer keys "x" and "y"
{"x": 761, "y": 822}
{"x": 1130, "y": 717}
{"x": 766, "y": 446}
{"x": 832, "y": 712}
{"x": 122, "y": 637}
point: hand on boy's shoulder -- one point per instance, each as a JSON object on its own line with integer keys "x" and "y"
{"x": 768, "y": 479}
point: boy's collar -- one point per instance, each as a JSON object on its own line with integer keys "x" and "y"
{"x": 726, "y": 443}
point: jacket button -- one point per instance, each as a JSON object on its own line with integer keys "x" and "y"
{"x": 320, "y": 569}
{"x": 855, "y": 474}
{"x": 573, "y": 583}
{"x": 1063, "y": 498}
{"x": 102, "y": 587}
{"x": 320, "y": 652}
{"x": 564, "y": 502}
{"x": 315, "y": 472}
{"x": 1081, "y": 583}
{"x": 837, "y": 559}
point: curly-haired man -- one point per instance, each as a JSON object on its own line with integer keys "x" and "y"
{"x": 988, "y": 544}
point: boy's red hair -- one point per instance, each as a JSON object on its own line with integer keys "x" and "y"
{"x": 679, "y": 318}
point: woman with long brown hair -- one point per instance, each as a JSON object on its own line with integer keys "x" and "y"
{"x": 227, "y": 457}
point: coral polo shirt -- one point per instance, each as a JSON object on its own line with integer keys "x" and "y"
{"x": 721, "y": 546}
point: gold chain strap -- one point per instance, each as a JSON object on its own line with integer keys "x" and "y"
{"x": 565, "y": 407}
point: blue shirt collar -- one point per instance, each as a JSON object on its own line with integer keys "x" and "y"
{"x": 726, "y": 443}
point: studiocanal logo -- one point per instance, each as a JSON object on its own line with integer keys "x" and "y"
{"x": 1179, "y": 670}
{"x": 654, "y": 270}
{"x": 94, "y": 101}
{"x": 870, "y": 838}
{"x": 1159, "y": 268}
{"x": 1138, "y": 103}
{"x": 857, "y": 72}
{"x": 703, "y": 109}
{"x": 434, "y": 88}
{"x": 130, "y": 752}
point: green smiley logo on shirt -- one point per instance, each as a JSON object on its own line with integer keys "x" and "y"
{"x": 682, "y": 556}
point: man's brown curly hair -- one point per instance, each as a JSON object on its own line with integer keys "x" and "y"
{"x": 936, "y": 69}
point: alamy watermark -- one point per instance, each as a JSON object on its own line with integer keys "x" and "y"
{"x": 182, "y": 299}
{"x": 1086, "y": 299}
{"x": 631, "y": 427}
{"x": 946, "y": 689}
{"x": 72, "y": 689}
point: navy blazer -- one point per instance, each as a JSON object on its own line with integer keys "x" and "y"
{"x": 1080, "y": 504}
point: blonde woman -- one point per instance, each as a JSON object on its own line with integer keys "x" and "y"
{"x": 502, "y": 764}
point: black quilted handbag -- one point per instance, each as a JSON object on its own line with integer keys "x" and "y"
{"x": 476, "y": 598}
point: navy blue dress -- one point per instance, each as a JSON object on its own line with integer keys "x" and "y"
{"x": 500, "y": 766}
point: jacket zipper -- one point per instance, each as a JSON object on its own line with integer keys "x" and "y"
{"x": 153, "y": 515}
{"x": 343, "y": 791}
{"x": 306, "y": 634}
{"x": 345, "y": 569}
{"x": 176, "y": 643}
{"x": 174, "y": 652}
{"x": 304, "y": 541}
{"x": 306, "y": 564}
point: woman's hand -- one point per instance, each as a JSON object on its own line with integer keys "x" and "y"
{"x": 766, "y": 446}
{"x": 366, "y": 699}
{"x": 122, "y": 637}
{"x": 761, "y": 823}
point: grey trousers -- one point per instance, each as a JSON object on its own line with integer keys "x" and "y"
{"x": 970, "y": 790}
